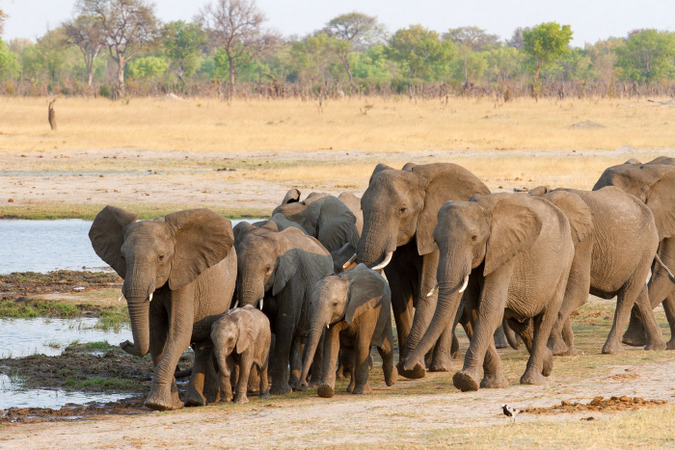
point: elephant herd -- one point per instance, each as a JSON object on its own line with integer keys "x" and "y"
{"x": 301, "y": 298}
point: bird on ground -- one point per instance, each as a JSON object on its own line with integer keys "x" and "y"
{"x": 510, "y": 412}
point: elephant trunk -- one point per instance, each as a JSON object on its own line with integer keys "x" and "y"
{"x": 249, "y": 292}
{"x": 139, "y": 308}
{"x": 376, "y": 245}
{"x": 311, "y": 346}
{"x": 449, "y": 297}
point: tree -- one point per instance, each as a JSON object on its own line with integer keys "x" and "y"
{"x": 86, "y": 33}
{"x": 361, "y": 30}
{"x": 314, "y": 56}
{"x": 546, "y": 42}
{"x": 647, "y": 55}
{"x": 468, "y": 41}
{"x": 9, "y": 65}
{"x": 148, "y": 68}
{"x": 182, "y": 44}
{"x": 3, "y": 17}
{"x": 236, "y": 26}
{"x": 128, "y": 26}
{"x": 420, "y": 51}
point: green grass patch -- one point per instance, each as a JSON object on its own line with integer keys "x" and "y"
{"x": 102, "y": 383}
{"x": 113, "y": 318}
{"x": 30, "y": 308}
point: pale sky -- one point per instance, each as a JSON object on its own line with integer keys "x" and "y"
{"x": 591, "y": 20}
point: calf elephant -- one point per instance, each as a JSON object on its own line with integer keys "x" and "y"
{"x": 276, "y": 272}
{"x": 612, "y": 258}
{"x": 355, "y": 309}
{"x": 179, "y": 274}
{"x": 512, "y": 253}
{"x": 654, "y": 184}
{"x": 400, "y": 209}
{"x": 323, "y": 216}
{"x": 241, "y": 340}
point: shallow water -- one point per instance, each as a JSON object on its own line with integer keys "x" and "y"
{"x": 47, "y": 336}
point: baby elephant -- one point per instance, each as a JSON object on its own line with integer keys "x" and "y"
{"x": 241, "y": 339}
{"x": 355, "y": 307}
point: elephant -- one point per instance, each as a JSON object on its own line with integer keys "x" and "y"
{"x": 508, "y": 256}
{"x": 276, "y": 272}
{"x": 355, "y": 309}
{"x": 350, "y": 200}
{"x": 323, "y": 216}
{"x": 179, "y": 274}
{"x": 241, "y": 338}
{"x": 613, "y": 255}
{"x": 400, "y": 210}
{"x": 654, "y": 184}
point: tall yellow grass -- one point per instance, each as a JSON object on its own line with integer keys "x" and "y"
{"x": 391, "y": 125}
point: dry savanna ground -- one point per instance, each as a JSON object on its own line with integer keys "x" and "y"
{"x": 239, "y": 158}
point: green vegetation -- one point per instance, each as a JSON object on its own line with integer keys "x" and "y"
{"x": 227, "y": 50}
{"x": 102, "y": 383}
{"x": 29, "y": 308}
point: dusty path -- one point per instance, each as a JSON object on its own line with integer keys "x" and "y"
{"x": 389, "y": 417}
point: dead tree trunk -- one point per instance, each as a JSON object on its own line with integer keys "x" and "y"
{"x": 51, "y": 115}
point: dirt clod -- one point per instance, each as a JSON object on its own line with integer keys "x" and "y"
{"x": 599, "y": 403}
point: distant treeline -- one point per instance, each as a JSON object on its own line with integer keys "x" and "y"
{"x": 117, "y": 48}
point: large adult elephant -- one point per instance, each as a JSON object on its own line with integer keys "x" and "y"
{"x": 277, "y": 270}
{"x": 400, "y": 209}
{"x": 179, "y": 275}
{"x": 323, "y": 216}
{"x": 517, "y": 251}
{"x": 613, "y": 256}
{"x": 654, "y": 184}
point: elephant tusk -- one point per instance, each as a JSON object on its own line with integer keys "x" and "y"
{"x": 121, "y": 298}
{"x": 384, "y": 263}
{"x": 150, "y": 297}
{"x": 327, "y": 326}
{"x": 433, "y": 290}
{"x": 236, "y": 304}
{"x": 348, "y": 264}
{"x": 261, "y": 304}
{"x": 466, "y": 283}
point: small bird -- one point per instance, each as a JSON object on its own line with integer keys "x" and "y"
{"x": 510, "y": 412}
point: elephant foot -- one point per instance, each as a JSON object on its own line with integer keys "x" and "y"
{"x": 440, "y": 364}
{"x": 456, "y": 355}
{"x": 160, "y": 402}
{"x": 657, "y": 345}
{"x": 671, "y": 344}
{"x": 635, "y": 336}
{"x": 464, "y": 381}
{"x": 302, "y": 387}
{"x": 241, "y": 399}
{"x": 194, "y": 398}
{"x": 265, "y": 395}
{"x": 415, "y": 373}
{"x": 280, "y": 388}
{"x": 571, "y": 351}
{"x": 558, "y": 346}
{"x": 325, "y": 391}
{"x": 494, "y": 381}
{"x": 547, "y": 367}
{"x": 363, "y": 389}
{"x": 350, "y": 387}
{"x": 612, "y": 347}
{"x": 390, "y": 375}
{"x": 531, "y": 377}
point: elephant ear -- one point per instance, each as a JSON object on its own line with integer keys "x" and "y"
{"x": 441, "y": 182}
{"x": 366, "y": 289}
{"x": 539, "y": 190}
{"x": 513, "y": 228}
{"x": 287, "y": 262}
{"x": 245, "y": 326}
{"x": 243, "y": 227}
{"x": 107, "y": 236}
{"x": 578, "y": 214}
{"x": 202, "y": 239}
{"x": 282, "y": 222}
{"x": 292, "y": 196}
{"x": 336, "y": 224}
{"x": 409, "y": 166}
{"x": 379, "y": 168}
{"x": 660, "y": 198}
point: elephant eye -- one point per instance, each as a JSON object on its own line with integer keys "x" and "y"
{"x": 160, "y": 257}
{"x": 403, "y": 210}
{"x": 474, "y": 237}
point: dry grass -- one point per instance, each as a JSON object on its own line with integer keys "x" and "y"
{"x": 392, "y": 125}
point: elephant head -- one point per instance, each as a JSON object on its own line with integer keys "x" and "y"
{"x": 400, "y": 205}
{"x": 653, "y": 183}
{"x": 149, "y": 255}
{"x": 337, "y": 298}
{"x": 489, "y": 230}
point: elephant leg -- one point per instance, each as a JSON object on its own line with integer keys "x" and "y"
{"x": 442, "y": 354}
{"x": 386, "y": 351}
{"x": 540, "y": 362}
{"x": 654, "y": 337}
{"x": 245, "y": 364}
{"x": 500, "y": 338}
{"x": 669, "y": 307}
{"x": 280, "y": 357}
{"x": 362, "y": 369}
{"x": 296, "y": 361}
{"x": 264, "y": 382}
{"x": 331, "y": 348}
{"x": 401, "y": 304}
{"x": 194, "y": 393}
{"x": 524, "y": 329}
{"x": 625, "y": 299}
{"x": 352, "y": 366}
{"x": 163, "y": 391}
{"x": 225, "y": 373}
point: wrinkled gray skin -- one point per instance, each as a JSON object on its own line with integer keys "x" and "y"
{"x": 323, "y": 216}
{"x": 350, "y": 200}
{"x": 186, "y": 260}
{"x": 516, "y": 252}
{"x": 654, "y": 184}
{"x": 241, "y": 341}
{"x": 400, "y": 209}
{"x": 354, "y": 309}
{"x": 613, "y": 255}
{"x": 279, "y": 268}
